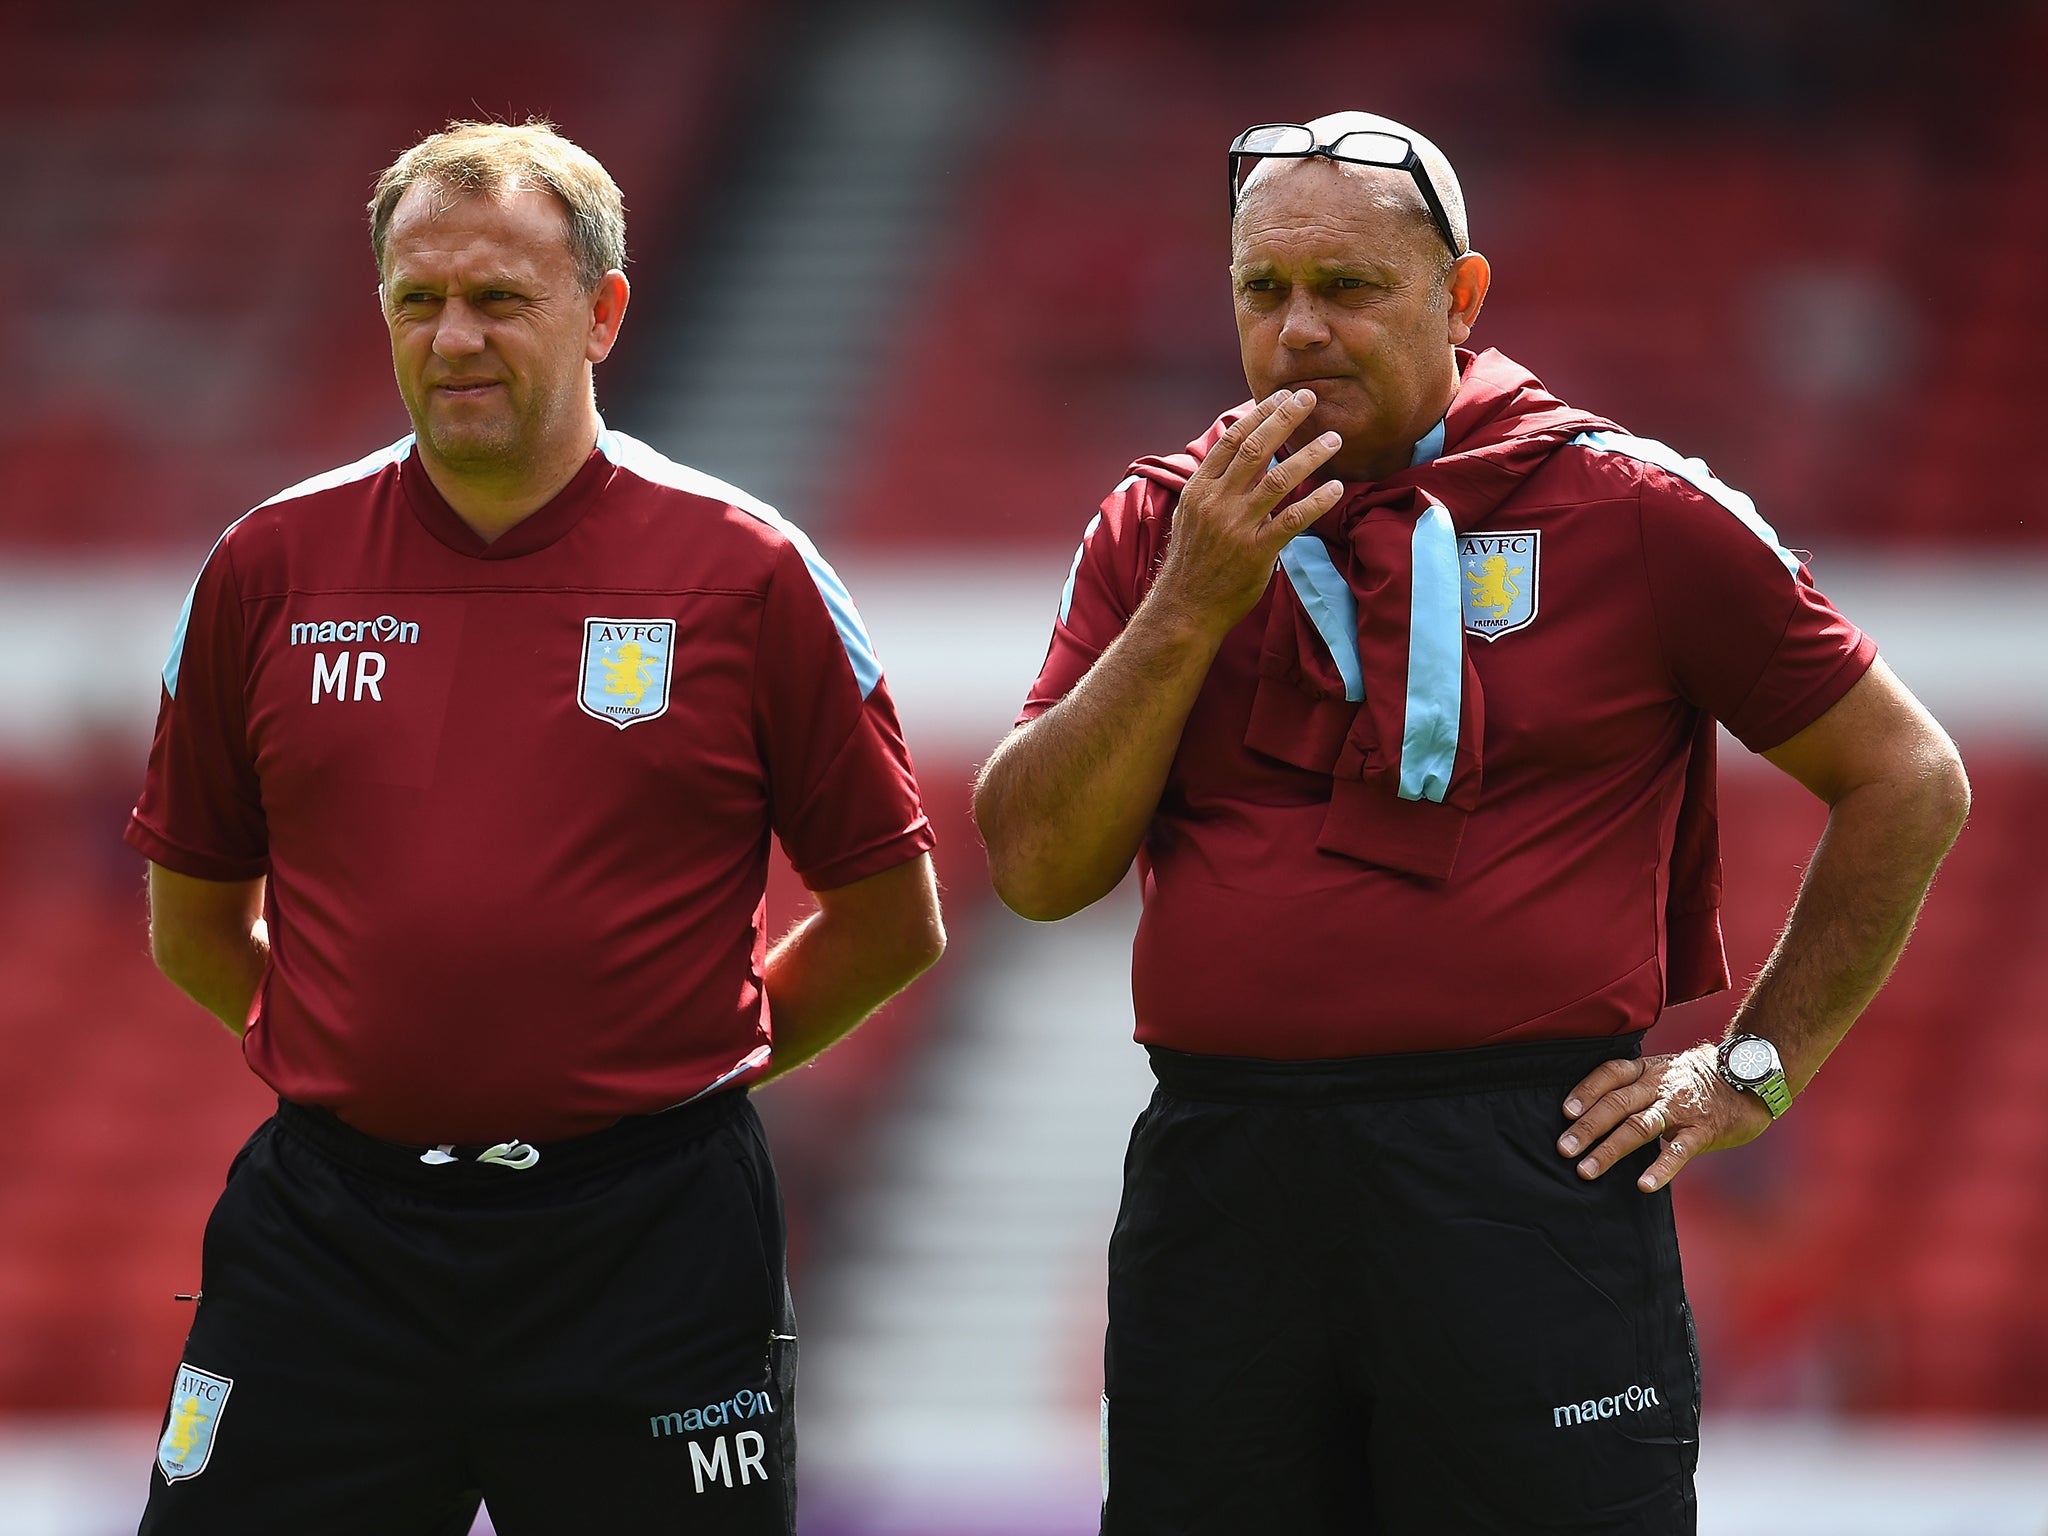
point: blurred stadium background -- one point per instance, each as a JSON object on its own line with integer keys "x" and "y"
{"x": 927, "y": 276}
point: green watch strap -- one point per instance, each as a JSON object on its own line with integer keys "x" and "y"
{"x": 1776, "y": 1094}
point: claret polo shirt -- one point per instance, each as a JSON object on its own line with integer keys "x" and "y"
{"x": 1619, "y": 594}
{"x": 514, "y": 800}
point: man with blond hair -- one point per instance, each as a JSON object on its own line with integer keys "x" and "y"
{"x": 458, "y": 815}
{"x": 1400, "y": 684}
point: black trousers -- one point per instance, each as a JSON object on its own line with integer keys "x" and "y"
{"x": 1368, "y": 1296}
{"x": 599, "y": 1342}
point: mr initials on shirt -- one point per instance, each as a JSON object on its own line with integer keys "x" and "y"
{"x": 332, "y": 678}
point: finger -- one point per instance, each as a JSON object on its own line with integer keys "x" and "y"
{"x": 1635, "y": 1131}
{"x": 1608, "y": 1075}
{"x": 1280, "y": 480}
{"x": 1265, "y": 441}
{"x": 1224, "y": 454}
{"x": 1289, "y": 472}
{"x": 1291, "y": 520}
{"x": 1678, "y": 1151}
{"x": 1630, "y": 1088}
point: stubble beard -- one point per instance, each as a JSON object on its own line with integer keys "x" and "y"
{"x": 501, "y": 447}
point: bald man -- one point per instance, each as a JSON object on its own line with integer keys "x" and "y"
{"x": 1400, "y": 683}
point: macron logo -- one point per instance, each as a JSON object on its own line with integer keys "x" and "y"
{"x": 331, "y": 679}
{"x": 743, "y": 1404}
{"x": 1634, "y": 1400}
{"x": 385, "y": 627}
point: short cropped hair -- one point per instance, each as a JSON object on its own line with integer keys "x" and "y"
{"x": 467, "y": 158}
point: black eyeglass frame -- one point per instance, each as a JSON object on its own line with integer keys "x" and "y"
{"x": 1410, "y": 162}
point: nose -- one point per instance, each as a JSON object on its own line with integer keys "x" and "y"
{"x": 1303, "y": 325}
{"x": 458, "y": 330}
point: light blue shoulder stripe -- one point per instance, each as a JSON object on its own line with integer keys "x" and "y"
{"x": 1081, "y": 549}
{"x": 1074, "y": 570}
{"x": 1694, "y": 472}
{"x": 177, "y": 657}
{"x": 1436, "y": 660}
{"x": 362, "y": 469}
{"x": 629, "y": 453}
{"x": 1331, "y": 606}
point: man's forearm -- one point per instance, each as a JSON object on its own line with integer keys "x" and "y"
{"x": 209, "y": 939}
{"x": 1063, "y": 804}
{"x": 864, "y": 944}
{"x": 1897, "y": 795}
{"x": 1856, "y": 908}
{"x": 223, "y": 980}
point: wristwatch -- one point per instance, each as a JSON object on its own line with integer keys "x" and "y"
{"x": 1751, "y": 1063}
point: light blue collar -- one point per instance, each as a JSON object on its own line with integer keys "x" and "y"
{"x": 1436, "y": 635}
{"x": 1431, "y": 445}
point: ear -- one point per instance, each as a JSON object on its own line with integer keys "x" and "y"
{"x": 1465, "y": 293}
{"x": 607, "y": 309}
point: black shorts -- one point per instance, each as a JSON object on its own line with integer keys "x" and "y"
{"x": 1369, "y": 1296}
{"x": 599, "y": 1342}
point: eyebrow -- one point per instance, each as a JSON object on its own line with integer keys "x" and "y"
{"x": 402, "y": 282}
{"x": 1242, "y": 271}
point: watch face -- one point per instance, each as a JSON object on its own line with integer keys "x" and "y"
{"x": 1749, "y": 1061}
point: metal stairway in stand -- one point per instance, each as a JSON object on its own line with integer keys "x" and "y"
{"x": 831, "y": 219}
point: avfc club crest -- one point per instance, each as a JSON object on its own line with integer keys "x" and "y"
{"x": 626, "y": 668}
{"x": 198, "y": 1399}
{"x": 1500, "y": 580}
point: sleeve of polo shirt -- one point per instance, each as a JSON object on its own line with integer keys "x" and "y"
{"x": 201, "y": 810}
{"x": 842, "y": 792}
{"x": 1105, "y": 584}
{"x": 1747, "y": 635}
